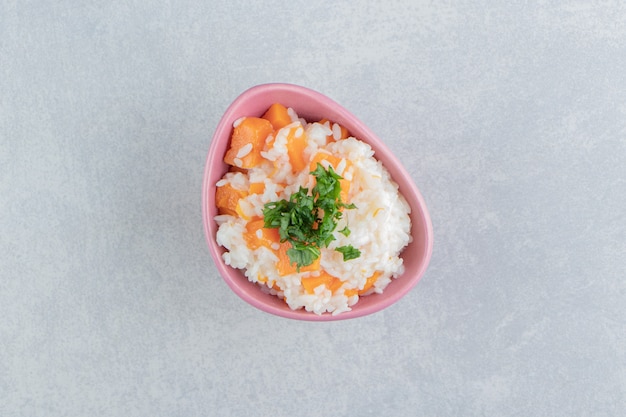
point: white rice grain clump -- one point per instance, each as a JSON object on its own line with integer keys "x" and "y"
{"x": 379, "y": 226}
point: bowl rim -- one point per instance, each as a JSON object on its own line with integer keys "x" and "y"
{"x": 278, "y": 91}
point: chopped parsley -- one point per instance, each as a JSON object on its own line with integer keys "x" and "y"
{"x": 349, "y": 252}
{"x": 308, "y": 221}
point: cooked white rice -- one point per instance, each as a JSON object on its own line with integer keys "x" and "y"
{"x": 380, "y": 225}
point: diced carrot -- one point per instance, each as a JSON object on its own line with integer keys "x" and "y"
{"x": 343, "y": 132}
{"x": 247, "y": 142}
{"x": 227, "y": 199}
{"x": 323, "y": 156}
{"x": 296, "y": 143}
{"x": 368, "y": 284}
{"x": 335, "y": 284}
{"x": 255, "y": 239}
{"x": 257, "y": 188}
{"x": 324, "y": 278}
{"x": 252, "y": 240}
{"x": 350, "y": 292}
{"x": 237, "y": 169}
{"x": 284, "y": 266}
{"x": 311, "y": 283}
{"x": 278, "y": 116}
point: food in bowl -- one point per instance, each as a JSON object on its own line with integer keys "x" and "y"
{"x": 308, "y": 213}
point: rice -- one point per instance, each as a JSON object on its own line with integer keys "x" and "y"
{"x": 244, "y": 151}
{"x": 379, "y": 226}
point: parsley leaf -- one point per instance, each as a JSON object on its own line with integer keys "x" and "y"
{"x": 345, "y": 231}
{"x": 308, "y": 221}
{"x": 303, "y": 255}
{"x": 349, "y": 252}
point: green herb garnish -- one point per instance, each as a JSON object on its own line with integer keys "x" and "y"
{"x": 308, "y": 221}
{"x": 349, "y": 252}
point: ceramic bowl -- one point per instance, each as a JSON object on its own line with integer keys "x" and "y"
{"x": 312, "y": 105}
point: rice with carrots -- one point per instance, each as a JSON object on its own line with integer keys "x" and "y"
{"x": 280, "y": 157}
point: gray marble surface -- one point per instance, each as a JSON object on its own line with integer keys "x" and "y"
{"x": 510, "y": 118}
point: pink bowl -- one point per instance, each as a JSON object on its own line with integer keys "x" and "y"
{"x": 312, "y": 105}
